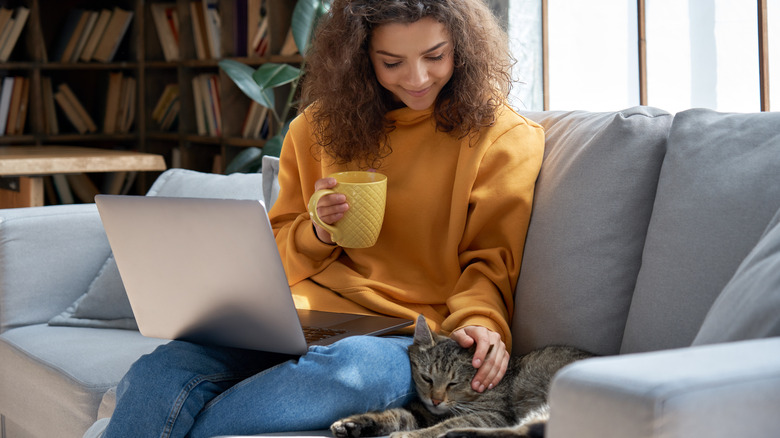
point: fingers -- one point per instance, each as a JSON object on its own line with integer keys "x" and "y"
{"x": 330, "y": 208}
{"x": 490, "y": 355}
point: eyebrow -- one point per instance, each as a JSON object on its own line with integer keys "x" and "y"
{"x": 434, "y": 48}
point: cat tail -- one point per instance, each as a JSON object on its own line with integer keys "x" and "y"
{"x": 533, "y": 425}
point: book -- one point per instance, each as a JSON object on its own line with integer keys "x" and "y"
{"x": 70, "y": 112}
{"x": 92, "y": 17}
{"x": 213, "y": 27}
{"x": 216, "y": 104}
{"x": 171, "y": 115}
{"x": 82, "y": 17}
{"x": 79, "y": 108}
{"x": 82, "y": 187}
{"x": 127, "y": 107}
{"x": 50, "y": 125}
{"x": 289, "y": 47}
{"x": 5, "y": 101}
{"x": 112, "y": 37}
{"x": 16, "y": 27}
{"x": 240, "y": 22}
{"x": 255, "y": 13}
{"x": 96, "y": 35}
{"x": 6, "y": 15}
{"x": 165, "y": 22}
{"x": 200, "y": 112}
{"x": 261, "y": 40}
{"x": 13, "y": 107}
{"x": 63, "y": 188}
{"x": 169, "y": 94}
{"x": 256, "y": 117}
{"x": 199, "y": 30}
{"x": 113, "y": 95}
{"x": 23, "y": 105}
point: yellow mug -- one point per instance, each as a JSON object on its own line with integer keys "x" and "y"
{"x": 366, "y": 194}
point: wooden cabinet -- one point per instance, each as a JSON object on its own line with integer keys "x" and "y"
{"x": 38, "y": 57}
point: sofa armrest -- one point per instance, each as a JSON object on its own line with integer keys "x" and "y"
{"x": 48, "y": 258}
{"x": 722, "y": 390}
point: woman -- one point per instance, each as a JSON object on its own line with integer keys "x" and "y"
{"x": 415, "y": 89}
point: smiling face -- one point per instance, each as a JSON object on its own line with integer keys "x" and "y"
{"x": 413, "y": 61}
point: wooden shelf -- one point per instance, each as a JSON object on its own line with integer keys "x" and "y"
{"x": 140, "y": 56}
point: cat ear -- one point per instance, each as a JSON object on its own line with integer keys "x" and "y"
{"x": 422, "y": 333}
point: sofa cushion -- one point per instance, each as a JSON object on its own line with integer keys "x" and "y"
{"x": 105, "y": 303}
{"x": 749, "y": 306}
{"x": 592, "y": 204}
{"x": 66, "y": 370}
{"x": 270, "y": 180}
{"x": 717, "y": 193}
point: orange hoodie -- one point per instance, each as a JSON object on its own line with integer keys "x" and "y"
{"x": 455, "y": 224}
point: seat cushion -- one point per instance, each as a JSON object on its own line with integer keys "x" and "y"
{"x": 53, "y": 378}
{"x": 592, "y": 204}
{"x": 717, "y": 192}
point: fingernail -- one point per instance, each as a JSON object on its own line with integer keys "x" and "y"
{"x": 482, "y": 388}
{"x": 490, "y": 386}
{"x": 477, "y": 363}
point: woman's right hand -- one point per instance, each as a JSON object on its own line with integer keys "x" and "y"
{"x": 330, "y": 208}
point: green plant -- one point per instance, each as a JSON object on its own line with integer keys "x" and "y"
{"x": 259, "y": 84}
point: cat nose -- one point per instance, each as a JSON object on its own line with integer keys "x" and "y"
{"x": 435, "y": 402}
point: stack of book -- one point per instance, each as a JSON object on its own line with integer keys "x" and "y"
{"x": 166, "y": 111}
{"x": 206, "y": 29}
{"x": 12, "y": 22}
{"x": 74, "y": 110}
{"x": 257, "y": 122}
{"x": 119, "y": 113}
{"x": 208, "y": 108}
{"x": 14, "y": 98}
{"x": 166, "y": 22}
{"x": 92, "y": 35}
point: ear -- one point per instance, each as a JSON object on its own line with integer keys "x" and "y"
{"x": 422, "y": 333}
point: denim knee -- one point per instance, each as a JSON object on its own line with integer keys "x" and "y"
{"x": 374, "y": 370}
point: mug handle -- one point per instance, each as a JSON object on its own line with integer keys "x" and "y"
{"x": 313, "y": 201}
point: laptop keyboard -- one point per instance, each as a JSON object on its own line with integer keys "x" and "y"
{"x": 313, "y": 334}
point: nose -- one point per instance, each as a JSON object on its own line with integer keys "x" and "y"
{"x": 435, "y": 402}
{"x": 417, "y": 75}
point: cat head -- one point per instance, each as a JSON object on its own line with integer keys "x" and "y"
{"x": 441, "y": 370}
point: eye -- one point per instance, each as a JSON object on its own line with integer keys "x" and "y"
{"x": 427, "y": 380}
{"x": 436, "y": 58}
{"x": 391, "y": 65}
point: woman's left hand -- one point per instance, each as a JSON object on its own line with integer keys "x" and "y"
{"x": 491, "y": 363}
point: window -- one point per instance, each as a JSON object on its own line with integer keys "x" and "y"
{"x": 697, "y": 53}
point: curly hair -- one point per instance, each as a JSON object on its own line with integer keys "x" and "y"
{"x": 351, "y": 105}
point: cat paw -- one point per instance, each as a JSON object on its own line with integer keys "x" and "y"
{"x": 345, "y": 429}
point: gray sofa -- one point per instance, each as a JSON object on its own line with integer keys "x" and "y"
{"x": 654, "y": 241}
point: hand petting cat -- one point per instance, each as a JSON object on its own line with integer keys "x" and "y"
{"x": 490, "y": 357}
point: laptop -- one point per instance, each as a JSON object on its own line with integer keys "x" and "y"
{"x": 208, "y": 271}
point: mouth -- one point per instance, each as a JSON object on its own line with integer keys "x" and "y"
{"x": 418, "y": 93}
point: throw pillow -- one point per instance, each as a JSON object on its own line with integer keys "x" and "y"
{"x": 592, "y": 204}
{"x": 717, "y": 191}
{"x": 749, "y": 306}
{"x": 105, "y": 303}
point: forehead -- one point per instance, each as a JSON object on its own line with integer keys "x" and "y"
{"x": 415, "y": 37}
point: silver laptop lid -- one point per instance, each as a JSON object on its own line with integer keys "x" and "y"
{"x": 207, "y": 270}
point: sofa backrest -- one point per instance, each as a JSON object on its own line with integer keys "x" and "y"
{"x": 719, "y": 187}
{"x": 592, "y": 206}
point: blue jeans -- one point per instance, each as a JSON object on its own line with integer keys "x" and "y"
{"x": 184, "y": 389}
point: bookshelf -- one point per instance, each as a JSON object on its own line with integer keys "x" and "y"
{"x": 39, "y": 56}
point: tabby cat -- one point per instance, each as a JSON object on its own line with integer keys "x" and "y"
{"x": 448, "y": 407}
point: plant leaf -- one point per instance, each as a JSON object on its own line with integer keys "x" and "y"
{"x": 271, "y": 74}
{"x": 304, "y": 19}
{"x": 242, "y": 76}
{"x": 247, "y": 161}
